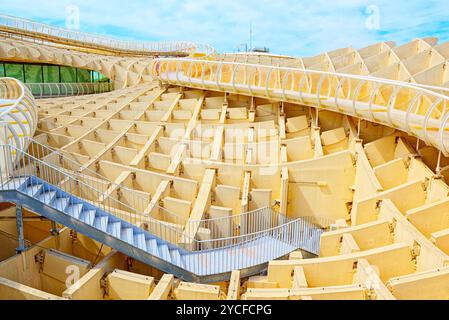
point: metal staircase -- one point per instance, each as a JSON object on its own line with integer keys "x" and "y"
{"x": 51, "y": 191}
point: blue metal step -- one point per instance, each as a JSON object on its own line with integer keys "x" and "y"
{"x": 46, "y": 197}
{"x": 114, "y": 228}
{"x": 165, "y": 252}
{"x": 126, "y": 234}
{"x": 74, "y": 210}
{"x": 33, "y": 190}
{"x": 61, "y": 203}
{"x": 152, "y": 247}
{"x": 88, "y": 216}
{"x": 139, "y": 241}
{"x": 176, "y": 257}
{"x": 101, "y": 222}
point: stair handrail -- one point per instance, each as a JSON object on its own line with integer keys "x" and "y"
{"x": 64, "y": 174}
{"x": 257, "y": 220}
{"x": 206, "y": 223}
{"x": 83, "y": 170}
{"x": 207, "y": 258}
{"x": 261, "y": 234}
{"x": 199, "y": 245}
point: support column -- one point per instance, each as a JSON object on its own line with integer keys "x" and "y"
{"x": 19, "y": 223}
{"x": 200, "y": 207}
{"x": 55, "y": 232}
{"x": 316, "y": 136}
{"x": 284, "y": 191}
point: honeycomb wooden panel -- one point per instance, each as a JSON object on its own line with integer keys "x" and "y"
{"x": 426, "y": 285}
{"x": 193, "y": 291}
{"x": 395, "y": 259}
{"x": 123, "y": 285}
{"x": 354, "y": 292}
{"x": 367, "y": 236}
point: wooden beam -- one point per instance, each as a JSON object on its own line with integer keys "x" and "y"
{"x": 168, "y": 115}
{"x": 120, "y": 179}
{"x": 234, "y": 286}
{"x": 284, "y": 191}
{"x": 368, "y": 276}
{"x": 316, "y": 137}
{"x": 139, "y": 159}
{"x": 281, "y": 122}
{"x": 223, "y": 114}
{"x": 175, "y": 163}
{"x": 163, "y": 288}
{"x": 217, "y": 144}
{"x": 200, "y": 206}
{"x": 88, "y": 286}
{"x": 299, "y": 278}
{"x": 161, "y": 190}
{"x": 195, "y": 115}
{"x": 348, "y": 244}
{"x": 182, "y": 148}
{"x": 245, "y": 191}
{"x": 104, "y": 121}
{"x": 12, "y": 290}
{"x": 107, "y": 148}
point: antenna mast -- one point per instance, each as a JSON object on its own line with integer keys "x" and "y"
{"x": 250, "y": 35}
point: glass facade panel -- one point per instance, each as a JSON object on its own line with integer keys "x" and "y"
{"x": 95, "y": 76}
{"x": 51, "y": 74}
{"x": 102, "y": 78}
{"x": 68, "y": 74}
{"x": 36, "y": 73}
{"x": 83, "y": 75}
{"x": 33, "y": 73}
{"x": 15, "y": 70}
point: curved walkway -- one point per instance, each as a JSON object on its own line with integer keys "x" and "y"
{"x": 418, "y": 111}
{"x": 48, "y": 33}
{"x": 18, "y": 114}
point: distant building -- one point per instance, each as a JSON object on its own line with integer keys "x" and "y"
{"x": 261, "y": 49}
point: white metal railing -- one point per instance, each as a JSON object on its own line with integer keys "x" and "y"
{"x": 222, "y": 230}
{"x": 249, "y": 250}
{"x": 85, "y": 187}
{"x": 240, "y": 224}
{"x": 419, "y": 111}
{"x": 51, "y": 90}
{"x": 293, "y": 62}
{"x": 135, "y": 203}
{"x": 291, "y": 232}
{"x": 103, "y": 41}
{"x": 250, "y": 226}
{"x": 258, "y": 58}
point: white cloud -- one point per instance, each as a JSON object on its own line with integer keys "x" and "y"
{"x": 285, "y": 26}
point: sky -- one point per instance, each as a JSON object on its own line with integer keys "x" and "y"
{"x": 290, "y": 27}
